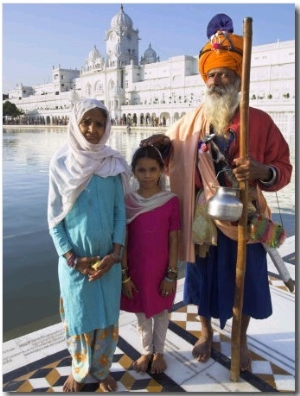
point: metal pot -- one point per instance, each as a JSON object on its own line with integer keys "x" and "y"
{"x": 225, "y": 205}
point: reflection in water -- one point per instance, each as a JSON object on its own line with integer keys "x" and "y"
{"x": 30, "y": 284}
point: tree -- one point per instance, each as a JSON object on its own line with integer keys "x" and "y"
{"x": 10, "y": 109}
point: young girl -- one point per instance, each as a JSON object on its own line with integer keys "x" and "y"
{"x": 87, "y": 221}
{"x": 149, "y": 264}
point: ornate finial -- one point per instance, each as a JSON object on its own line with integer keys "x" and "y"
{"x": 122, "y": 7}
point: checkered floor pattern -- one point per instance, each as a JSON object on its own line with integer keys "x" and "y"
{"x": 53, "y": 372}
{"x": 265, "y": 376}
{"x": 50, "y": 373}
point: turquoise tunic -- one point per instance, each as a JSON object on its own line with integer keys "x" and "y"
{"x": 95, "y": 222}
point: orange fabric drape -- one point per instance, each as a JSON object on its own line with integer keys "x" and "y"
{"x": 185, "y": 135}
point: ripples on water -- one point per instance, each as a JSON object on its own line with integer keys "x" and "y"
{"x": 30, "y": 282}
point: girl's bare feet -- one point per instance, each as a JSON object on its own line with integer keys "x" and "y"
{"x": 71, "y": 385}
{"x": 202, "y": 348}
{"x": 142, "y": 364}
{"x": 109, "y": 384}
{"x": 158, "y": 363}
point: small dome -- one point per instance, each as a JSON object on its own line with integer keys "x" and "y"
{"x": 121, "y": 20}
{"x": 149, "y": 56}
{"x": 94, "y": 54}
{"x": 150, "y": 53}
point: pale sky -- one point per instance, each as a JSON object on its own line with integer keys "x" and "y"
{"x": 38, "y": 36}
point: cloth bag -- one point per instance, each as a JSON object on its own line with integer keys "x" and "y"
{"x": 266, "y": 231}
{"x": 204, "y": 230}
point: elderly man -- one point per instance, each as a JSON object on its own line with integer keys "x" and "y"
{"x": 202, "y": 151}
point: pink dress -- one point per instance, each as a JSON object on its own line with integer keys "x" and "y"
{"x": 148, "y": 257}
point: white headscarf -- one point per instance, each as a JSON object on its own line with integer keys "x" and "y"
{"x": 74, "y": 164}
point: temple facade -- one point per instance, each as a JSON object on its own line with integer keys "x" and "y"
{"x": 145, "y": 91}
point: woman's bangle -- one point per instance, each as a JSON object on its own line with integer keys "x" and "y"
{"x": 126, "y": 280}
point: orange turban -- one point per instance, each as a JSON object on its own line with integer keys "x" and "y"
{"x": 224, "y": 49}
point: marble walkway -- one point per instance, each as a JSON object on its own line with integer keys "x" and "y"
{"x": 39, "y": 362}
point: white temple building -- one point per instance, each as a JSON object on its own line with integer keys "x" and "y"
{"x": 146, "y": 91}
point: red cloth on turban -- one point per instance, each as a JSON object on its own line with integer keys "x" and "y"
{"x": 223, "y": 50}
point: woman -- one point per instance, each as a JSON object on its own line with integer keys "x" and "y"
{"x": 87, "y": 221}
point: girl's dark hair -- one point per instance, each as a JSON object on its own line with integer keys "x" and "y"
{"x": 147, "y": 152}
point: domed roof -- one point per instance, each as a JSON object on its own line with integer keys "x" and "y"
{"x": 94, "y": 54}
{"x": 149, "y": 53}
{"x": 121, "y": 20}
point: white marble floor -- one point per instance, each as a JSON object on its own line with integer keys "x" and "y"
{"x": 39, "y": 362}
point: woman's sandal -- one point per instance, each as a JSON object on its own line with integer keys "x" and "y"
{"x": 141, "y": 365}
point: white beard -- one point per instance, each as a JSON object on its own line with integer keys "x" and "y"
{"x": 220, "y": 107}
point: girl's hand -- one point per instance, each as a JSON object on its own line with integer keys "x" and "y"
{"x": 104, "y": 266}
{"x": 167, "y": 288}
{"x": 128, "y": 289}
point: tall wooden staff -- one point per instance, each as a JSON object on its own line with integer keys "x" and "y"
{"x": 242, "y": 224}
